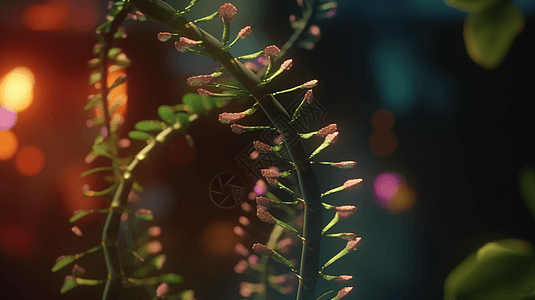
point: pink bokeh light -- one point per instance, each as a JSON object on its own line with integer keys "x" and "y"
{"x": 8, "y": 117}
{"x": 386, "y": 186}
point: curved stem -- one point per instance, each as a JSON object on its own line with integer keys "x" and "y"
{"x": 280, "y": 118}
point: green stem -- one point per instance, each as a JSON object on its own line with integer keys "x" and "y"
{"x": 164, "y": 13}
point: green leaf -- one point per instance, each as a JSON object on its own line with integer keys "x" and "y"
{"x": 500, "y": 270}
{"x": 68, "y": 285}
{"x": 60, "y": 264}
{"x": 166, "y": 114}
{"x": 182, "y": 119}
{"x": 138, "y": 188}
{"x": 95, "y": 77}
{"x": 474, "y": 5}
{"x": 526, "y": 181}
{"x": 114, "y": 52}
{"x": 490, "y": 33}
{"x": 139, "y": 135}
{"x": 120, "y": 80}
{"x": 150, "y": 125}
{"x": 144, "y": 215}
{"x": 101, "y": 151}
{"x": 197, "y": 103}
{"x": 93, "y": 102}
{"x": 94, "y": 249}
{"x": 96, "y": 170}
{"x": 171, "y": 278}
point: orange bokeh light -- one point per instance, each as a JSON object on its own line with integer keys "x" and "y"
{"x": 16, "y": 241}
{"x": 16, "y": 88}
{"x": 8, "y": 144}
{"x": 45, "y": 17}
{"x": 382, "y": 119}
{"x": 219, "y": 239}
{"x": 29, "y": 161}
{"x": 403, "y": 200}
{"x": 117, "y": 95}
{"x": 383, "y": 143}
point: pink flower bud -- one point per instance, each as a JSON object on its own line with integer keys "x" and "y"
{"x": 314, "y": 30}
{"x": 265, "y": 216}
{"x": 264, "y": 201}
{"x": 155, "y": 230}
{"x": 350, "y": 236}
{"x": 244, "y": 221}
{"x": 183, "y": 43}
{"x": 352, "y": 184}
{"x": 154, "y": 247}
{"x": 241, "y": 266}
{"x": 125, "y": 217}
{"x": 78, "y": 271}
{"x": 272, "y": 50}
{"x": 241, "y": 250}
{"x": 162, "y": 290}
{"x": 246, "y": 207}
{"x": 262, "y": 249}
{"x": 343, "y": 292}
{"x": 272, "y": 181}
{"x": 164, "y": 36}
{"x": 226, "y": 118}
{"x": 352, "y": 245}
{"x": 245, "y": 32}
{"x": 262, "y": 147}
{"x": 205, "y": 93}
{"x": 76, "y": 230}
{"x": 345, "y": 164}
{"x": 268, "y": 173}
{"x": 332, "y": 138}
{"x": 343, "y": 278}
{"x": 310, "y": 84}
{"x": 238, "y": 129}
{"x": 327, "y": 130}
{"x": 345, "y": 211}
{"x": 199, "y": 80}
{"x": 252, "y": 66}
{"x": 309, "y": 97}
{"x": 286, "y": 65}
{"x": 228, "y": 11}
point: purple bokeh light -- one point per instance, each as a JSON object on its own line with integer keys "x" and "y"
{"x": 8, "y": 117}
{"x": 386, "y": 186}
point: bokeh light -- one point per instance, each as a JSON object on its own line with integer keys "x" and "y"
{"x": 118, "y": 97}
{"x": 16, "y": 241}
{"x": 386, "y": 186}
{"x": 29, "y": 161}
{"x": 16, "y": 88}
{"x": 218, "y": 238}
{"x": 383, "y": 143}
{"x": 382, "y": 119}
{"x": 8, "y": 117}
{"x": 9, "y": 144}
{"x": 46, "y": 17}
{"x": 394, "y": 193}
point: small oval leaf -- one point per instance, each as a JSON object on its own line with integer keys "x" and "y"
{"x": 166, "y": 114}
{"x": 139, "y": 135}
{"x": 79, "y": 214}
{"x": 171, "y": 278}
{"x": 149, "y": 125}
{"x": 60, "y": 264}
{"x": 68, "y": 285}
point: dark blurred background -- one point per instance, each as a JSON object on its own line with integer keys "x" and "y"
{"x": 439, "y": 142}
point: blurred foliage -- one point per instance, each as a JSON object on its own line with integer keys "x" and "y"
{"x": 526, "y": 182}
{"x": 490, "y": 29}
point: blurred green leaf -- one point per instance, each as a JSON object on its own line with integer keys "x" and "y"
{"x": 120, "y": 80}
{"x": 92, "y": 102}
{"x": 101, "y": 151}
{"x": 96, "y": 170}
{"x": 490, "y": 33}
{"x": 526, "y": 181}
{"x": 60, "y": 264}
{"x": 68, "y": 285}
{"x": 139, "y": 135}
{"x": 166, "y": 114}
{"x": 95, "y": 77}
{"x": 114, "y": 52}
{"x": 474, "y": 5}
{"x": 150, "y": 125}
{"x": 171, "y": 278}
{"x": 197, "y": 103}
{"x": 500, "y": 270}
{"x": 182, "y": 119}
{"x": 138, "y": 188}
{"x": 80, "y": 214}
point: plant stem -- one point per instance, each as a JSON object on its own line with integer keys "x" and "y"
{"x": 280, "y": 118}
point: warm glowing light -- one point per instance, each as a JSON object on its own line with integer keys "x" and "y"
{"x": 29, "y": 161}
{"x": 16, "y": 88}
{"x": 218, "y": 238}
{"x": 403, "y": 200}
{"x": 8, "y": 117}
{"x": 8, "y": 144}
{"x": 45, "y": 17}
{"x": 383, "y": 143}
{"x": 118, "y": 97}
{"x": 386, "y": 186}
{"x": 382, "y": 119}
{"x": 180, "y": 153}
{"x": 16, "y": 241}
